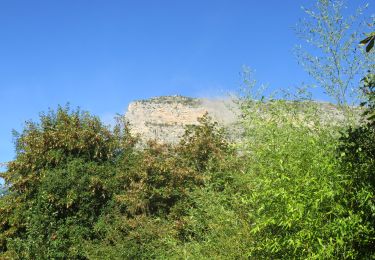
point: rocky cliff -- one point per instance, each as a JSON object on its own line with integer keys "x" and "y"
{"x": 164, "y": 118}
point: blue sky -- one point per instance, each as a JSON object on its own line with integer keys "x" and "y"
{"x": 100, "y": 55}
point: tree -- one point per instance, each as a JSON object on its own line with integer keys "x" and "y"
{"x": 330, "y": 54}
{"x": 357, "y": 155}
{"x": 297, "y": 200}
{"x": 57, "y": 185}
{"x": 146, "y": 218}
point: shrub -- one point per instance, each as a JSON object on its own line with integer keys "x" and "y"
{"x": 296, "y": 200}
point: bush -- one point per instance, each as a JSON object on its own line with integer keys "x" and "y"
{"x": 297, "y": 196}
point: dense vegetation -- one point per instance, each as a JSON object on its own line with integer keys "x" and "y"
{"x": 296, "y": 186}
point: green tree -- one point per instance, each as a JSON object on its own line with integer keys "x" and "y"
{"x": 147, "y": 217}
{"x": 357, "y": 154}
{"x": 296, "y": 200}
{"x": 57, "y": 185}
{"x": 329, "y": 52}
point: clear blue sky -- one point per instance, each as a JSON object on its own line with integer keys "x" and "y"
{"x": 100, "y": 55}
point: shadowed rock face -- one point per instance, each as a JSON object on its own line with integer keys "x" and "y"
{"x": 164, "y": 118}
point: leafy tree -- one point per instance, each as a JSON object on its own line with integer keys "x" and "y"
{"x": 79, "y": 190}
{"x": 202, "y": 143}
{"x": 331, "y": 56}
{"x": 369, "y": 104}
{"x": 357, "y": 153}
{"x": 153, "y": 195}
{"x": 296, "y": 200}
{"x": 57, "y": 185}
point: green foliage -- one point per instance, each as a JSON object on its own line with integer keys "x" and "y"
{"x": 199, "y": 146}
{"x": 369, "y": 40}
{"x": 79, "y": 190}
{"x": 294, "y": 187}
{"x": 57, "y": 185}
{"x": 329, "y": 52}
{"x": 357, "y": 151}
{"x": 291, "y": 197}
{"x": 369, "y": 91}
{"x": 297, "y": 201}
{"x": 147, "y": 217}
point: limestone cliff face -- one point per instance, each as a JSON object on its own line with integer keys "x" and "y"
{"x": 164, "y": 118}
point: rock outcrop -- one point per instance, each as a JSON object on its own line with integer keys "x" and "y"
{"x": 164, "y": 118}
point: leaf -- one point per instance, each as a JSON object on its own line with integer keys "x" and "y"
{"x": 365, "y": 41}
{"x": 370, "y": 45}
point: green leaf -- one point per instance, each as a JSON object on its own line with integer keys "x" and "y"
{"x": 365, "y": 41}
{"x": 371, "y": 44}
